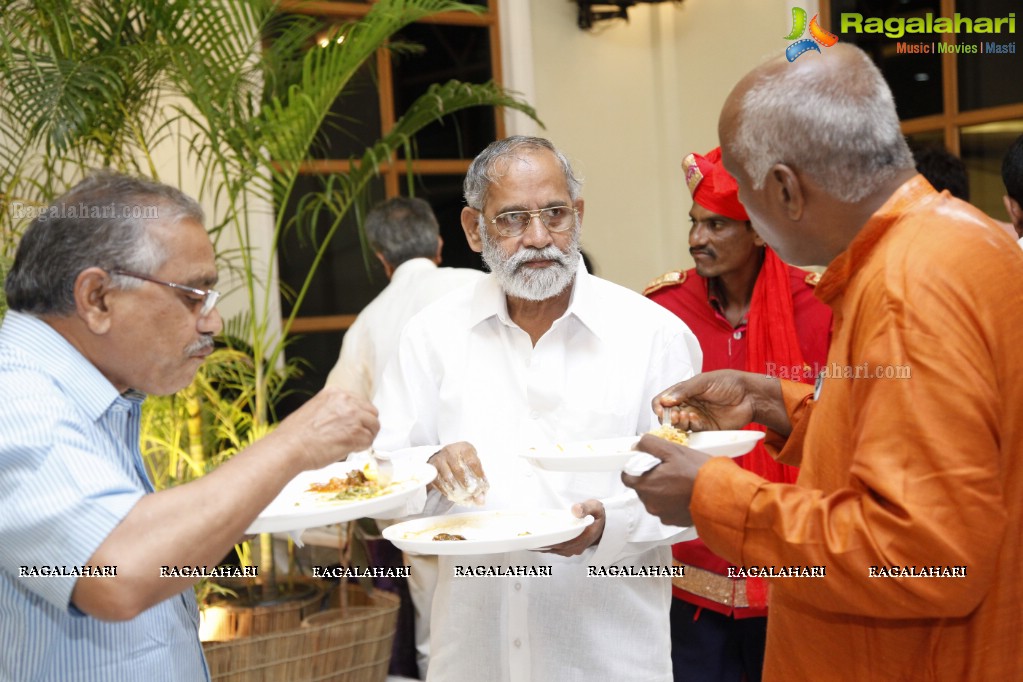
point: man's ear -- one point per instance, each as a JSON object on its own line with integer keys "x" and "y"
{"x": 757, "y": 239}
{"x": 440, "y": 247}
{"x": 470, "y": 225}
{"x": 786, "y": 191}
{"x": 95, "y": 297}
{"x": 1015, "y": 214}
{"x": 388, "y": 270}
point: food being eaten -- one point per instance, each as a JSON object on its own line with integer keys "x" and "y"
{"x": 440, "y": 537}
{"x": 354, "y": 486}
{"x": 669, "y": 432}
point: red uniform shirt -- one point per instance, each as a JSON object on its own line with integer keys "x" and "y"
{"x": 725, "y": 347}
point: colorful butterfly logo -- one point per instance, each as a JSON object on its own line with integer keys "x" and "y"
{"x": 818, "y": 34}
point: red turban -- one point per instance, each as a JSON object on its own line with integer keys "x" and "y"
{"x": 711, "y": 185}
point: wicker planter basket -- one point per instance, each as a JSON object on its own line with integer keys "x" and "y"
{"x": 348, "y": 644}
{"x": 230, "y": 619}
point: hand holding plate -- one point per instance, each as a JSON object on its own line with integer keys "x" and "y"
{"x": 667, "y": 489}
{"x": 590, "y": 536}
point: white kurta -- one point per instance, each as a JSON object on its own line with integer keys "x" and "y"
{"x": 465, "y": 371}
{"x": 373, "y": 338}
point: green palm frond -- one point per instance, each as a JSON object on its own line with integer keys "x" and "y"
{"x": 80, "y": 76}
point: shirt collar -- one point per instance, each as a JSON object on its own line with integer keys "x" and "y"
{"x": 714, "y": 300}
{"x": 78, "y": 378}
{"x": 412, "y": 268}
{"x": 489, "y": 300}
{"x": 833, "y": 282}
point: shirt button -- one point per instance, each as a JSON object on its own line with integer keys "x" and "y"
{"x": 737, "y": 335}
{"x": 517, "y": 643}
{"x": 518, "y": 586}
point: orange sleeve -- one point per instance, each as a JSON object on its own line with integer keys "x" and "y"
{"x": 916, "y": 465}
{"x": 798, "y": 399}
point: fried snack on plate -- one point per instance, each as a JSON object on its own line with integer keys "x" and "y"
{"x": 669, "y": 432}
{"x": 442, "y": 537}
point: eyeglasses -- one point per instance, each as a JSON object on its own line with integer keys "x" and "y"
{"x": 207, "y": 297}
{"x": 554, "y": 218}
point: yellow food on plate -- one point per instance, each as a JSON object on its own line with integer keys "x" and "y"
{"x": 669, "y": 432}
{"x": 355, "y": 486}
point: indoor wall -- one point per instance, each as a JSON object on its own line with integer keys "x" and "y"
{"x": 627, "y": 101}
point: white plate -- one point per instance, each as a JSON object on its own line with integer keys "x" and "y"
{"x": 611, "y": 454}
{"x": 608, "y": 454}
{"x": 487, "y": 532}
{"x": 725, "y": 443}
{"x": 295, "y": 508}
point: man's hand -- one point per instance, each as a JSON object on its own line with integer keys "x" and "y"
{"x": 666, "y": 489}
{"x": 460, "y": 476}
{"x": 330, "y": 426}
{"x": 591, "y": 534}
{"x": 723, "y": 400}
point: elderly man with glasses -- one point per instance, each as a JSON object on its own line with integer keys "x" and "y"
{"x": 538, "y": 352}
{"x": 104, "y": 309}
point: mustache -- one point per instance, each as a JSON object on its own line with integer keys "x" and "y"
{"x": 709, "y": 252}
{"x": 205, "y": 343}
{"x": 529, "y": 254}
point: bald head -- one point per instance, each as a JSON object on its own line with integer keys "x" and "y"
{"x": 830, "y": 117}
{"x": 816, "y": 148}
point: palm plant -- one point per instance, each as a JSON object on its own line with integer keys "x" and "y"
{"x": 104, "y": 82}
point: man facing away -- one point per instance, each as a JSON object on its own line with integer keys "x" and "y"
{"x": 539, "y": 352}
{"x": 910, "y": 491}
{"x": 404, "y": 235}
{"x": 750, "y": 311}
{"x": 103, "y": 310}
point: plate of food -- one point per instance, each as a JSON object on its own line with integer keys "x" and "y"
{"x": 612, "y": 454}
{"x": 606, "y": 454}
{"x": 724, "y": 443}
{"x": 339, "y": 492}
{"x": 716, "y": 443}
{"x": 487, "y": 532}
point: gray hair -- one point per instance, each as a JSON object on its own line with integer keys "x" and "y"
{"x": 401, "y": 229}
{"x": 843, "y": 132}
{"x": 103, "y": 221}
{"x": 482, "y": 172}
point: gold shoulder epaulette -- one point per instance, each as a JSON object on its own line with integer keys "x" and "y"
{"x": 668, "y": 279}
{"x": 812, "y": 278}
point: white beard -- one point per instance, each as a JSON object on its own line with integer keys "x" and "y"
{"x": 528, "y": 283}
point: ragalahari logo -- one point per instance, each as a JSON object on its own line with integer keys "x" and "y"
{"x": 818, "y": 35}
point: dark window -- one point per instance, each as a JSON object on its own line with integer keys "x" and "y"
{"x": 444, "y": 192}
{"x": 990, "y": 79}
{"x": 449, "y": 52}
{"x": 915, "y": 79}
{"x": 349, "y": 278}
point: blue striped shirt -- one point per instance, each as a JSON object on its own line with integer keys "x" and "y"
{"x": 70, "y": 471}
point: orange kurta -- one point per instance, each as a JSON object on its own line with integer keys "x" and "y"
{"x": 924, "y": 470}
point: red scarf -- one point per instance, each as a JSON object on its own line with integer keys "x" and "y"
{"x": 771, "y": 330}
